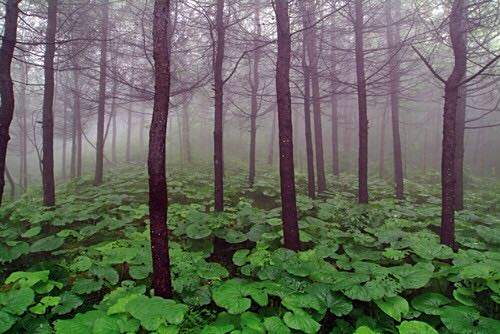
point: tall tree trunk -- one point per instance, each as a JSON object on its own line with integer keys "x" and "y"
{"x": 6, "y": 85}
{"x": 381, "y": 167}
{"x": 186, "y": 137}
{"x": 128, "y": 149}
{"x": 254, "y": 105}
{"x": 394, "y": 43}
{"x": 362, "y": 104}
{"x": 287, "y": 175}
{"x": 311, "y": 44}
{"x": 64, "y": 131}
{"x": 334, "y": 120}
{"x": 76, "y": 144}
{"x": 460, "y": 147}
{"x": 158, "y": 199}
{"x": 113, "y": 118}
{"x": 219, "y": 107}
{"x": 270, "y": 156}
{"x": 451, "y": 97}
{"x": 23, "y": 175}
{"x": 311, "y": 186}
{"x": 49, "y": 197}
{"x": 99, "y": 164}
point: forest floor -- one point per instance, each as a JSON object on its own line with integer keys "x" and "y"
{"x": 85, "y": 266}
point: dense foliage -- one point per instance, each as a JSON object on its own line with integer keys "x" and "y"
{"x": 84, "y": 266}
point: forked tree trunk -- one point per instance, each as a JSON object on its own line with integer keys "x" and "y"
{"x": 362, "y": 104}
{"x": 219, "y": 108}
{"x": 6, "y": 86}
{"x": 287, "y": 175}
{"x": 99, "y": 165}
{"x": 158, "y": 199}
{"x": 451, "y": 96}
{"x": 49, "y": 197}
{"x": 393, "y": 43}
{"x": 311, "y": 183}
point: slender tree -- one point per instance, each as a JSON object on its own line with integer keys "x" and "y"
{"x": 219, "y": 106}
{"x": 158, "y": 199}
{"x": 287, "y": 175}
{"x": 362, "y": 103}
{"x": 49, "y": 196}
{"x": 6, "y": 86}
{"x": 99, "y": 164}
{"x": 393, "y": 44}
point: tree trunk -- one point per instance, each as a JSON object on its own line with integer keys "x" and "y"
{"x": 219, "y": 108}
{"x": 128, "y": 149}
{"x": 311, "y": 186}
{"x": 381, "y": 167}
{"x": 460, "y": 148}
{"x": 186, "y": 138}
{"x": 270, "y": 156}
{"x": 334, "y": 122}
{"x": 99, "y": 164}
{"x": 65, "y": 129}
{"x": 23, "y": 172}
{"x": 451, "y": 96}
{"x": 76, "y": 145}
{"x": 158, "y": 199}
{"x": 287, "y": 175}
{"x": 311, "y": 44}
{"x": 393, "y": 43}
{"x": 113, "y": 116}
{"x": 6, "y": 85}
{"x": 362, "y": 104}
{"x": 49, "y": 197}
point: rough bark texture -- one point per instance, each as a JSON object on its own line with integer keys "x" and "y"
{"x": 287, "y": 176}
{"x": 6, "y": 86}
{"x": 362, "y": 105}
{"x": 254, "y": 105}
{"x": 156, "y": 158}
{"x": 99, "y": 164}
{"x": 451, "y": 97}
{"x": 49, "y": 197}
{"x": 311, "y": 184}
{"x": 393, "y": 43}
{"x": 219, "y": 108}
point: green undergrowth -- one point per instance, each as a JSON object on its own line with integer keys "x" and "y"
{"x": 85, "y": 266}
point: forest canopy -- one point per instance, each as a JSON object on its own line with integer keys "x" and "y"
{"x": 249, "y": 166}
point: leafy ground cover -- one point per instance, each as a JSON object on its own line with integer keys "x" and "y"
{"x": 84, "y": 266}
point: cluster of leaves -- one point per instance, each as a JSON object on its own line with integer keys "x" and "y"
{"x": 85, "y": 266}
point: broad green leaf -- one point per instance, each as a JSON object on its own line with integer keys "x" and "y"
{"x": 301, "y": 321}
{"x": 16, "y": 301}
{"x": 46, "y": 244}
{"x": 394, "y": 307}
{"x": 430, "y": 303}
{"x": 274, "y": 325}
{"x": 416, "y": 327}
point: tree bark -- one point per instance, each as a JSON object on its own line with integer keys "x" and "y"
{"x": 6, "y": 85}
{"x": 158, "y": 199}
{"x": 270, "y": 156}
{"x": 287, "y": 175}
{"x": 254, "y": 106}
{"x": 460, "y": 148}
{"x": 362, "y": 104}
{"x": 311, "y": 184}
{"x": 99, "y": 165}
{"x": 65, "y": 129}
{"x": 309, "y": 8}
{"x": 451, "y": 97}
{"x": 393, "y": 43}
{"x": 186, "y": 137}
{"x": 219, "y": 108}
{"x": 23, "y": 172}
{"x": 49, "y": 197}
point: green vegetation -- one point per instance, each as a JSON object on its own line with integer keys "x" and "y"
{"x": 84, "y": 266}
